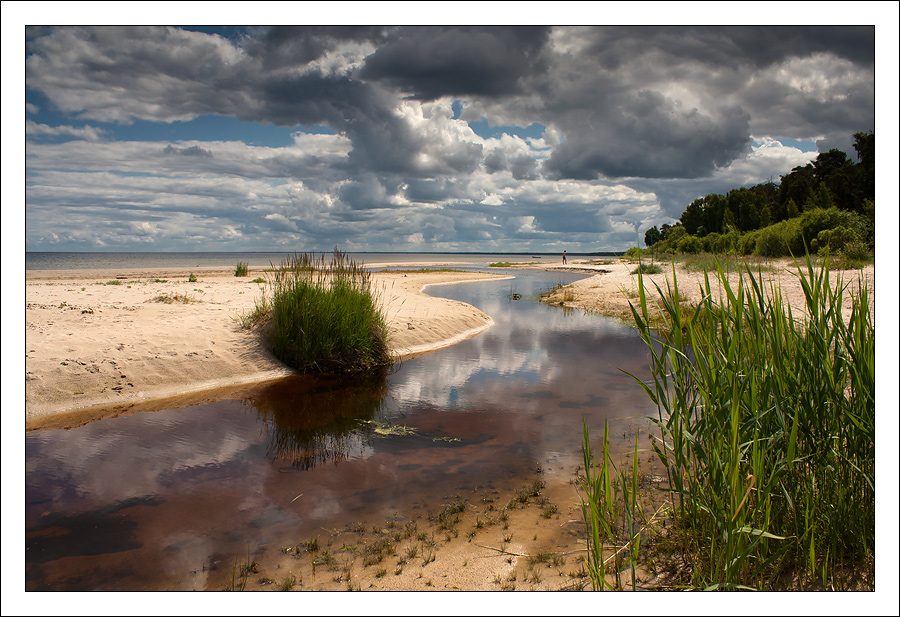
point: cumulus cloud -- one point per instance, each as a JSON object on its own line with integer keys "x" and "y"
{"x": 89, "y": 133}
{"x": 189, "y": 151}
{"x": 638, "y": 122}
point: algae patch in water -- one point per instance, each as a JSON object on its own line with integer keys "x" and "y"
{"x": 394, "y": 430}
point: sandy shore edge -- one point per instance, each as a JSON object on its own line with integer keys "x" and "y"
{"x": 101, "y": 343}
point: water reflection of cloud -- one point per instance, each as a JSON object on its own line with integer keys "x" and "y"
{"x": 531, "y": 346}
{"x": 135, "y": 455}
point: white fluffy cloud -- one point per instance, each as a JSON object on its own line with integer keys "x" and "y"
{"x": 638, "y": 123}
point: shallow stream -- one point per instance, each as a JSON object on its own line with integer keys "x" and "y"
{"x": 157, "y": 500}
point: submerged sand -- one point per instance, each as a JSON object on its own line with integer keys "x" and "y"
{"x": 99, "y": 344}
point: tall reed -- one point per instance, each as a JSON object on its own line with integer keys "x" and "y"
{"x": 325, "y": 316}
{"x": 611, "y": 509}
{"x": 767, "y": 423}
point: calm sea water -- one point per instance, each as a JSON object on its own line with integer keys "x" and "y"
{"x": 131, "y": 260}
{"x": 166, "y": 499}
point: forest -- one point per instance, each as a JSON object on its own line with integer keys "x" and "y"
{"x": 827, "y": 206}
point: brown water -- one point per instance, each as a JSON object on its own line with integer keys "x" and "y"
{"x": 156, "y": 500}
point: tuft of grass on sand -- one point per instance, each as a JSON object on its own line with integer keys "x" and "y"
{"x": 323, "y": 317}
{"x": 174, "y": 298}
{"x": 647, "y": 269}
{"x": 242, "y": 269}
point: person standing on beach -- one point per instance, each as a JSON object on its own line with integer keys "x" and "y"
{"x": 564, "y": 257}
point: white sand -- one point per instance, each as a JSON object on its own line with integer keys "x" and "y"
{"x": 94, "y": 349}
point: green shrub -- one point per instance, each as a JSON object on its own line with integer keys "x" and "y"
{"x": 325, "y": 318}
{"x": 192, "y": 278}
{"x": 690, "y": 244}
{"x": 647, "y": 269}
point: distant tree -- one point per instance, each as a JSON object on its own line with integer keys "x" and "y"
{"x": 791, "y": 209}
{"x": 652, "y": 236}
{"x": 864, "y": 144}
{"x": 798, "y": 186}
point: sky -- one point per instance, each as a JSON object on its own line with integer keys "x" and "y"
{"x": 526, "y": 138}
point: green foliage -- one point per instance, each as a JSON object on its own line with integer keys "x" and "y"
{"x": 324, "y": 317}
{"x": 647, "y": 269}
{"x": 192, "y": 278}
{"x": 690, "y": 244}
{"x": 827, "y": 191}
{"x": 241, "y": 269}
{"x": 767, "y": 428}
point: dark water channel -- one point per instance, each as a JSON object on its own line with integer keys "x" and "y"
{"x": 153, "y": 500}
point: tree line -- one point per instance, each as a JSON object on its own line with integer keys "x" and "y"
{"x": 826, "y": 205}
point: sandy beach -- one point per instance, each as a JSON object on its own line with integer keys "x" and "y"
{"x": 99, "y": 344}
{"x": 612, "y": 285}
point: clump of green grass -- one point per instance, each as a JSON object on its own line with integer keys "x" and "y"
{"x": 323, "y": 318}
{"x": 449, "y": 516}
{"x": 259, "y": 280}
{"x": 242, "y": 269}
{"x": 192, "y": 278}
{"x": 175, "y": 298}
{"x": 501, "y": 264}
{"x": 767, "y": 426}
{"x": 647, "y": 269}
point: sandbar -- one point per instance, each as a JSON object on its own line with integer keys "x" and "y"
{"x": 101, "y": 343}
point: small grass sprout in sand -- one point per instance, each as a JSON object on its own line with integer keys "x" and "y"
{"x": 242, "y": 269}
{"x": 174, "y": 298}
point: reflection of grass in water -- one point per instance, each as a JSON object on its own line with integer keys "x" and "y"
{"x": 316, "y": 420}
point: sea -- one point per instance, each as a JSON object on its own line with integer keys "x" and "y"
{"x": 103, "y": 260}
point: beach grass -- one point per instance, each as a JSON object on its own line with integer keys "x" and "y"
{"x": 648, "y": 269}
{"x": 323, "y": 317}
{"x": 242, "y": 269}
{"x": 767, "y": 434}
{"x": 175, "y": 298}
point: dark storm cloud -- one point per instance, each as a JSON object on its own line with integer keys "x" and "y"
{"x": 432, "y": 62}
{"x": 646, "y": 135}
{"x": 732, "y": 46}
{"x": 288, "y": 46}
